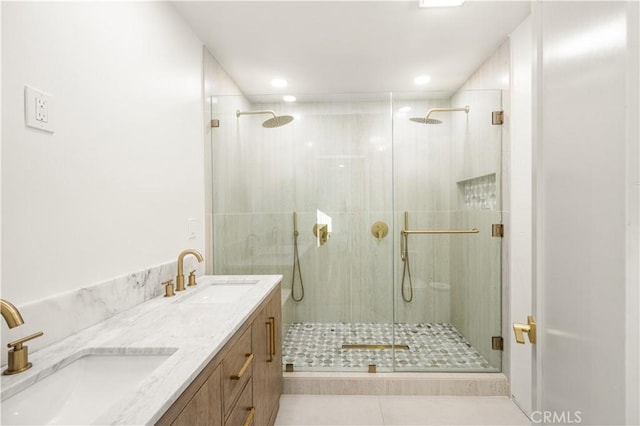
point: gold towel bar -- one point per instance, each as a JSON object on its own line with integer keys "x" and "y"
{"x": 442, "y": 231}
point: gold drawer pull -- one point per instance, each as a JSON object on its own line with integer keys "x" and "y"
{"x": 272, "y": 341}
{"x": 243, "y": 370}
{"x": 247, "y": 421}
{"x": 270, "y": 338}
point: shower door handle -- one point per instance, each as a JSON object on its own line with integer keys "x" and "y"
{"x": 529, "y": 328}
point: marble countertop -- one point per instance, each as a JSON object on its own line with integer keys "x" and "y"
{"x": 193, "y": 332}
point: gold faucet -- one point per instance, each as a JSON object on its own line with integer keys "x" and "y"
{"x": 19, "y": 355}
{"x": 11, "y": 314}
{"x": 180, "y": 277}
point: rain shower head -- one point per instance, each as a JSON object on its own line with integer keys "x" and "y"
{"x": 275, "y": 121}
{"x": 427, "y": 120}
{"x": 423, "y": 120}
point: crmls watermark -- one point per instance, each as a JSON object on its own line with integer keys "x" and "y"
{"x": 556, "y": 417}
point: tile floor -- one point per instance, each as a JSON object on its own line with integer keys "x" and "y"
{"x": 438, "y": 347}
{"x": 313, "y": 410}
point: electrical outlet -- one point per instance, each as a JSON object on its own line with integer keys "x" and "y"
{"x": 38, "y": 109}
{"x": 42, "y": 110}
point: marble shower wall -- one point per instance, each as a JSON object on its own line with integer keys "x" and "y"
{"x": 476, "y": 153}
{"x": 335, "y": 157}
{"x": 222, "y": 97}
{"x": 422, "y": 182}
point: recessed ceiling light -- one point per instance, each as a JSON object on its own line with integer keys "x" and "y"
{"x": 441, "y": 3}
{"x": 405, "y": 109}
{"x": 422, "y": 80}
{"x": 289, "y": 98}
{"x": 279, "y": 82}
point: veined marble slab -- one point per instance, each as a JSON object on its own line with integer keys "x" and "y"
{"x": 67, "y": 313}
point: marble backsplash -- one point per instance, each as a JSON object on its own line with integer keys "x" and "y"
{"x": 64, "y": 314}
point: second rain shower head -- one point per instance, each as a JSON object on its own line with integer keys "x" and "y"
{"x": 427, "y": 120}
{"x": 423, "y": 120}
{"x": 275, "y": 121}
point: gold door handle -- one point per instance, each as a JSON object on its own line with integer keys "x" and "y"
{"x": 529, "y": 328}
{"x": 247, "y": 421}
{"x": 243, "y": 370}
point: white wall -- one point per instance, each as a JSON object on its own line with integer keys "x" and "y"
{"x": 111, "y": 190}
{"x": 518, "y": 218}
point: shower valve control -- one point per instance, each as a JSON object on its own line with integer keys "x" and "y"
{"x": 379, "y": 230}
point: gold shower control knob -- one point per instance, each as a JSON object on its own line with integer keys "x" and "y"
{"x": 380, "y": 230}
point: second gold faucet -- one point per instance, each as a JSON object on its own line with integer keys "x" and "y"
{"x": 180, "y": 277}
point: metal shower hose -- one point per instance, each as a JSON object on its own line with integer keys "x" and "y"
{"x": 296, "y": 263}
{"x": 404, "y": 255}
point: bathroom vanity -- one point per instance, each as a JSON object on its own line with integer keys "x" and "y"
{"x": 243, "y": 383}
{"x": 209, "y": 355}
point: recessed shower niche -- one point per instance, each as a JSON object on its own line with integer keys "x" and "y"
{"x": 478, "y": 193}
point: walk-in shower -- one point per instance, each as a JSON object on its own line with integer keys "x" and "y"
{"x": 360, "y": 161}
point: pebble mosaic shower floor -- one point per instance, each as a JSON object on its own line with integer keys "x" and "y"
{"x": 318, "y": 346}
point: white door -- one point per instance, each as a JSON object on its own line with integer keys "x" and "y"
{"x": 586, "y": 213}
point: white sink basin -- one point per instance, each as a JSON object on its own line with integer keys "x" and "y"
{"x": 220, "y": 290}
{"x": 234, "y": 281}
{"x": 217, "y": 293}
{"x": 80, "y": 392}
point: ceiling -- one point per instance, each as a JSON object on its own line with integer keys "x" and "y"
{"x": 332, "y": 47}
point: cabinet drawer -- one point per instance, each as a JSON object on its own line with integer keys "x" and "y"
{"x": 243, "y": 412}
{"x": 205, "y": 407}
{"x": 237, "y": 369}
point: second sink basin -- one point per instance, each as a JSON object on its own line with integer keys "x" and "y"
{"x": 222, "y": 289}
{"x": 217, "y": 293}
{"x": 81, "y": 392}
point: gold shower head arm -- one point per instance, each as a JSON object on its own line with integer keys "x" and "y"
{"x": 266, "y": 111}
{"x": 432, "y": 110}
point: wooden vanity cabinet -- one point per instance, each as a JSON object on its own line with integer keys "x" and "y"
{"x": 267, "y": 333}
{"x": 199, "y": 410}
{"x": 218, "y": 397}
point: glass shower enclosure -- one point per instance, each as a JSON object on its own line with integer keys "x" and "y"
{"x": 390, "y": 218}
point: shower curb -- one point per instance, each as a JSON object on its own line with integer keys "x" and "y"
{"x": 449, "y": 384}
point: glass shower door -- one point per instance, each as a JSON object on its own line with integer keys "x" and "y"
{"x": 343, "y": 184}
{"x": 310, "y": 192}
{"x": 448, "y": 274}
{"x": 353, "y": 167}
